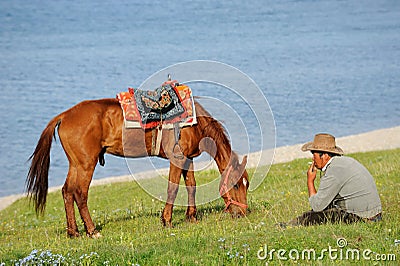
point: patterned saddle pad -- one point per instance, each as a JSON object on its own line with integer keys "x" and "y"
{"x": 168, "y": 104}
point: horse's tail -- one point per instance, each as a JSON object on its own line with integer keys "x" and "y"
{"x": 37, "y": 178}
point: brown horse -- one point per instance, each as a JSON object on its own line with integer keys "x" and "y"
{"x": 92, "y": 128}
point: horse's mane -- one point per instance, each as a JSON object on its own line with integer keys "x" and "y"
{"x": 212, "y": 128}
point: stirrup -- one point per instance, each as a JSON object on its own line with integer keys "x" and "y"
{"x": 177, "y": 134}
{"x": 177, "y": 154}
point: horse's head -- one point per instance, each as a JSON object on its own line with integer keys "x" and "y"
{"x": 233, "y": 187}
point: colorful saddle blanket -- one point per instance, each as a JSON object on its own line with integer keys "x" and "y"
{"x": 168, "y": 104}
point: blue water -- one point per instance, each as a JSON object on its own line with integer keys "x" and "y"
{"x": 331, "y": 66}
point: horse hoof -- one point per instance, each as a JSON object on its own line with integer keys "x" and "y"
{"x": 94, "y": 235}
{"x": 169, "y": 225}
{"x": 166, "y": 223}
{"x": 191, "y": 219}
{"x": 73, "y": 234}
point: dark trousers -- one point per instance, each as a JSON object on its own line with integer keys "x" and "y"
{"x": 331, "y": 215}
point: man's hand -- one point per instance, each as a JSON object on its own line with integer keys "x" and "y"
{"x": 311, "y": 175}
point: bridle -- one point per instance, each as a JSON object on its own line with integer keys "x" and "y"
{"x": 224, "y": 187}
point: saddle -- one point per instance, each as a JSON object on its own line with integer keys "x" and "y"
{"x": 168, "y": 104}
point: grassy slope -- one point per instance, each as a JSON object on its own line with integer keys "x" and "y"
{"x": 129, "y": 222}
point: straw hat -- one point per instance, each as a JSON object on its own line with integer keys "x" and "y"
{"x": 323, "y": 142}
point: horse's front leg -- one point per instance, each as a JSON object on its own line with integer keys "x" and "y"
{"x": 173, "y": 187}
{"x": 190, "y": 182}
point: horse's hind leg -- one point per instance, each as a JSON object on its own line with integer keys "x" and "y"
{"x": 81, "y": 198}
{"x": 190, "y": 183}
{"x": 68, "y": 196}
{"x": 76, "y": 189}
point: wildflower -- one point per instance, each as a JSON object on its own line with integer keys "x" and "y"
{"x": 230, "y": 255}
{"x": 44, "y": 258}
{"x": 222, "y": 241}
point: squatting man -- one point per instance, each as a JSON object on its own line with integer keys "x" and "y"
{"x": 347, "y": 191}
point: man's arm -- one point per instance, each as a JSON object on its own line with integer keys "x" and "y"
{"x": 329, "y": 188}
{"x": 311, "y": 175}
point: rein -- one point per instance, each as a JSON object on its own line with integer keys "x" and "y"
{"x": 224, "y": 187}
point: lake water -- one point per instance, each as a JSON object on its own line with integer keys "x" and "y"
{"x": 331, "y": 66}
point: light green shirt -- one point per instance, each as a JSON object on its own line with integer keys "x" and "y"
{"x": 349, "y": 186}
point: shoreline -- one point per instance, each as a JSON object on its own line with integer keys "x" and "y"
{"x": 381, "y": 139}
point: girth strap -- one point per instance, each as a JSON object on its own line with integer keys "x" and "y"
{"x": 156, "y": 141}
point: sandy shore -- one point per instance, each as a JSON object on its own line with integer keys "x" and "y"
{"x": 382, "y": 139}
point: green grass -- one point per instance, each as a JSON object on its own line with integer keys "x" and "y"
{"x": 129, "y": 220}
